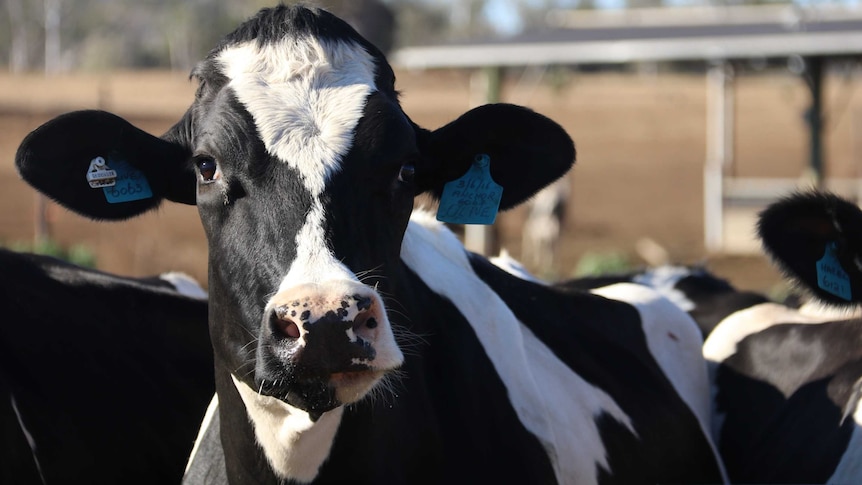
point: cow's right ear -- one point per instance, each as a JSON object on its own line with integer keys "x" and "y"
{"x": 102, "y": 167}
{"x": 815, "y": 238}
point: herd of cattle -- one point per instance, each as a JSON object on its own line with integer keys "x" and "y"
{"x": 346, "y": 337}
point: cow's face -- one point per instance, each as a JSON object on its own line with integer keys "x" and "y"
{"x": 304, "y": 169}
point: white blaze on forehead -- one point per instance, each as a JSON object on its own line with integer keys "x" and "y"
{"x": 314, "y": 261}
{"x": 306, "y": 96}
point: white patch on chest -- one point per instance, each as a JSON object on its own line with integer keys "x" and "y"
{"x": 306, "y": 96}
{"x": 295, "y": 445}
{"x": 555, "y": 404}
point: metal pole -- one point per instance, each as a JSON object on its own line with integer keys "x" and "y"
{"x": 814, "y": 117}
{"x": 719, "y": 150}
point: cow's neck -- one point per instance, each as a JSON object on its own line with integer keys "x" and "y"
{"x": 294, "y": 444}
{"x": 265, "y": 439}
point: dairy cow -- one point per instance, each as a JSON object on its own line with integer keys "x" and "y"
{"x": 788, "y": 380}
{"x": 103, "y": 379}
{"x": 355, "y": 339}
{"x": 702, "y": 294}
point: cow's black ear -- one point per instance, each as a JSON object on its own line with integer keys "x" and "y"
{"x": 526, "y": 151}
{"x": 815, "y": 238}
{"x": 102, "y": 167}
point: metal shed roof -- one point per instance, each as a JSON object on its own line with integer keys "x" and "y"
{"x": 667, "y": 34}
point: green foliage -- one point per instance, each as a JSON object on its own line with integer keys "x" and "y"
{"x": 78, "y": 254}
{"x": 595, "y": 263}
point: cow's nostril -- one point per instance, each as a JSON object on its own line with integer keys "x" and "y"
{"x": 283, "y": 324}
{"x": 371, "y": 323}
{"x": 289, "y": 328}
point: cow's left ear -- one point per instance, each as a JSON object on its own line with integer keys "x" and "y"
{"x": 527, "y": 151}
{"x": 101, "y": 166}
{"x": 815, "y": 238}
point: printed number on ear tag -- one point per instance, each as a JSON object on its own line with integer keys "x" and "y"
{"x": 472, "y": 199}
{"x": 831, "y": 276}
{"x": 131, "y": 184}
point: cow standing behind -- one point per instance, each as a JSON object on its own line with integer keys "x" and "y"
{"x": 357, "y": 341}
{"x": 103, "y": 378}
{"x": 543, "y": 227}
{"x": 789, "y": 380}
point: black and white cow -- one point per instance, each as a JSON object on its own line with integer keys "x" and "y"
{"x": 696, "y": 290}
{"x": 357, "y": 341}
{"x": 104, "y": 379}
{"x": 789, "y": 380}
{"x": 702, "y": 294}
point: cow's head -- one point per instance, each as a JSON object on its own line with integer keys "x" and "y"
{"x": 815, "y": 238}
{"x": 304, "y": 169}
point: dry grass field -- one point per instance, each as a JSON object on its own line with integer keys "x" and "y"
{"x": 640, "y": 140}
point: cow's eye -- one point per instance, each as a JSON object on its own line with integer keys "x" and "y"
{"x": 408, "y": 171}
{"x": 207, "y": 167}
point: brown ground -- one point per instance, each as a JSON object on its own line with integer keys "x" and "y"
{"x": 640, "y": 141}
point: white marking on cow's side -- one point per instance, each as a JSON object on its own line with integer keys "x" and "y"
{"x": 185, "y": 284}
{"x": 675, "y": 341}
{"x": 295, "y": 445}
{"x": 306, "y": 96}
{"x": 554, "y": 403}
{"x": 721, "y": 342}
{"x": 818, "y": 309}
{"x": 664, "y": 279}
{"x": 849, "y": 469}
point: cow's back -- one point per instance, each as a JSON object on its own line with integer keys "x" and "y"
{"x": 109, "y": 375}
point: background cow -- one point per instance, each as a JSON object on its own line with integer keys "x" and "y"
{"x": 104, "y": 379}
{"x": 357, "y": 341}
{"x": 705, "y": 296}
{"x": 787, "y": 379}
{"x": 543, "y": 226}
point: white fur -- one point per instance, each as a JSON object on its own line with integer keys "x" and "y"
{"x": 663, "y": 279}
{"x": 721, "y": 342}
{"x": 815, "y": 308}
{"x": 306, "y": 96}
{"x": 295, "y": 445}
{"x": 185, "y": 284}
{"x": 506, "y": 262}
{"x": 675, "y": 341}
{"x": 554, "y": 403}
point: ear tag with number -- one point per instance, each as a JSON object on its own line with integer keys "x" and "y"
{"x": 472, "y": 199}
{"x": 131, "y": 184}
{"x": 831, "y": 276}
{"x": 100, "y": 174}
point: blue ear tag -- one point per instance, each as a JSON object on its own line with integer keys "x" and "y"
{"x": 472, "y": 199}
{"x": 130, "y": 184}
{"x": 831, "y": 276}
